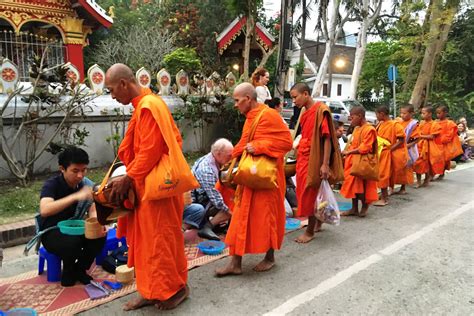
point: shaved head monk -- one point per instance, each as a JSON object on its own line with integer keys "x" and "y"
{"x": 394, "y": 155}
{"x": 258, "y": 219}
{"x": 364, "y": 138}
{"x": 153, "y": 229}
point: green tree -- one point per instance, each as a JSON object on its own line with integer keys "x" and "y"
{"x": 182, "y": 58}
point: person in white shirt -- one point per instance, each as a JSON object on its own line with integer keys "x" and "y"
{"x": 260, "y": 79}
{"x": 342, "y": 139}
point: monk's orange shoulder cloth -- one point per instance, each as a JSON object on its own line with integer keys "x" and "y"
{"x": 316, "y": 154}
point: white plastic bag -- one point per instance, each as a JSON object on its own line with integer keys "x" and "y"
{"x": 326, "y": 208}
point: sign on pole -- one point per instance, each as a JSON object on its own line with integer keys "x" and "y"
{"x": 392, "y": 77}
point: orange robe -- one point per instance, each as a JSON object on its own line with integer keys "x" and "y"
{"x": 431, "y": 158}
{"x": 153, "y": 230}
{"x": 306, "y": 196}
{"x": 392, "y": 163}
{"x": 450, "y": 141}
{"x": 409, "y": 177}
{"x": 363, "y": 138}
{"x": 258, "y": 218}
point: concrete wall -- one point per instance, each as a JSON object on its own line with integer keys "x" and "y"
{"x": 98, "y": 124}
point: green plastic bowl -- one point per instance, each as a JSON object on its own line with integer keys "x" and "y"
{"x": 72, "y": 227}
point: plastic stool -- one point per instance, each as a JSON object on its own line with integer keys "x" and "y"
{"x": 111, "y": 244}
{"x": 54, "y": 265}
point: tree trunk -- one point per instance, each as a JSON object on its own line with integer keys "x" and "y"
{"x": 416, "y": 55}
{"x": 266, "y": 55}
{"x": 440, "y": 24}
{"x": 303, "y": 31}
{"x": 331, "y": 36}
{"x": 367, "y": 21}
{"x": 358, "y": 59}
{"x": 249, "y": 29}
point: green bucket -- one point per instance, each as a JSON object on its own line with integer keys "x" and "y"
{"x": 72, "y": 227}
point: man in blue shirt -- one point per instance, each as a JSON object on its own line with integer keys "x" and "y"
{"x": 206, "y": 171}
{"x": 59, "y": 198}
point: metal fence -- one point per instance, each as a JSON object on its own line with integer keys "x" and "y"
{"x": 20, "y": 47}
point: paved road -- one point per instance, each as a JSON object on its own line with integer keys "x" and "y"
{"x": 412, "y": 257}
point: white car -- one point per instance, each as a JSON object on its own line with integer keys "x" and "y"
{"x": 340, "y": 110}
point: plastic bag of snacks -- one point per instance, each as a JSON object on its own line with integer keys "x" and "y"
{"x": 325, "y": 207}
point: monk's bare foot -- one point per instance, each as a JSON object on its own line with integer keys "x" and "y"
{"x": 363, "y": 210}
{"x": 137, "y": 303}
{"x": 264, "y": 265}
{"x": 305, "y": 238}
{"x": 352, "y": 212}
{"x": 318, "y": 228}
{"x": 401, "y": 192}
{"x": 229, "y": 269}
{"x": 425, "y": 184}
{"x": 439, "y": 178}
{"x": 379, "y": 203}
{"x": 174, "y": 300}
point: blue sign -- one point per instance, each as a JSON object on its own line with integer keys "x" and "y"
{"x": 392, "y": 73}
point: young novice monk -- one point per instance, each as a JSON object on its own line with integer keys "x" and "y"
{"x": 317, "y": 146}
{"x": 448, "y": 138}
{"x": 393, "y": 158}
{"x": 431, "y": 159}
{"x": 412, "y": 133}
{"x": 356, "y": 188}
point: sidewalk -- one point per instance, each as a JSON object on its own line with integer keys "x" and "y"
{"x": 16, "y": 233}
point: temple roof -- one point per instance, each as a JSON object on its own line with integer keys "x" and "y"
{"x": 94, "y": 10}
{"x": 234, "y": 29}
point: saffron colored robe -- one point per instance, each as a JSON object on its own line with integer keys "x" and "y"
{"x": 431, "y": 158}
{"x": 258, "y": 218}
{"x": 409, "y": 177}
{"x": 391, "y": 163}
{"x": 306, "y": 196}
{"x": 450, "y": 141}
{"x": 153, "y": 229}
{"x": 363, "y": 138}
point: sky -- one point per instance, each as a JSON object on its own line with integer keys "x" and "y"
{"x": 273, "y": 7}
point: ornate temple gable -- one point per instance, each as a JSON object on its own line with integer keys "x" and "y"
{"x": 234, "y": 29}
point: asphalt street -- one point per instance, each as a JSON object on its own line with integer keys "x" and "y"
{"x": 412, "y": 257}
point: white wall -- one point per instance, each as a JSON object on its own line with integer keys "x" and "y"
{"x": 100, "y": 151}
{"x": 343, "y": 80}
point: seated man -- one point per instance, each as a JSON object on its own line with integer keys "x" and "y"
{"x": 206, "y": 171}
{"x": 59, "y": 198}
{"x": 193, "y": 214}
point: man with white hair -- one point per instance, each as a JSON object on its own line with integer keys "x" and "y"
{"x": 206, "y": 171}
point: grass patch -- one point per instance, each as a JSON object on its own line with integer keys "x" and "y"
{"x": 19, "y": 203}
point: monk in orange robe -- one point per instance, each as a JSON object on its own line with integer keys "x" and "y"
{"x": 431, "y": 159}
{"x": 448, "y": 138}
{"x": 153, "y": 229}
{"x": 355, "y": 188}
{"x": 412, "y": 133}
{"x": 393, "y": 158}
{"x": 258, "y": 218}
{"x": 316, "y": 114}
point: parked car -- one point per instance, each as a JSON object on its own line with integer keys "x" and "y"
{"x": 341, "y": 109}
{"x": 287, "y": 111}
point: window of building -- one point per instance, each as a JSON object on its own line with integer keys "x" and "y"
{"x": 325, "y": 90}
{"x": 339, "y": 89}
